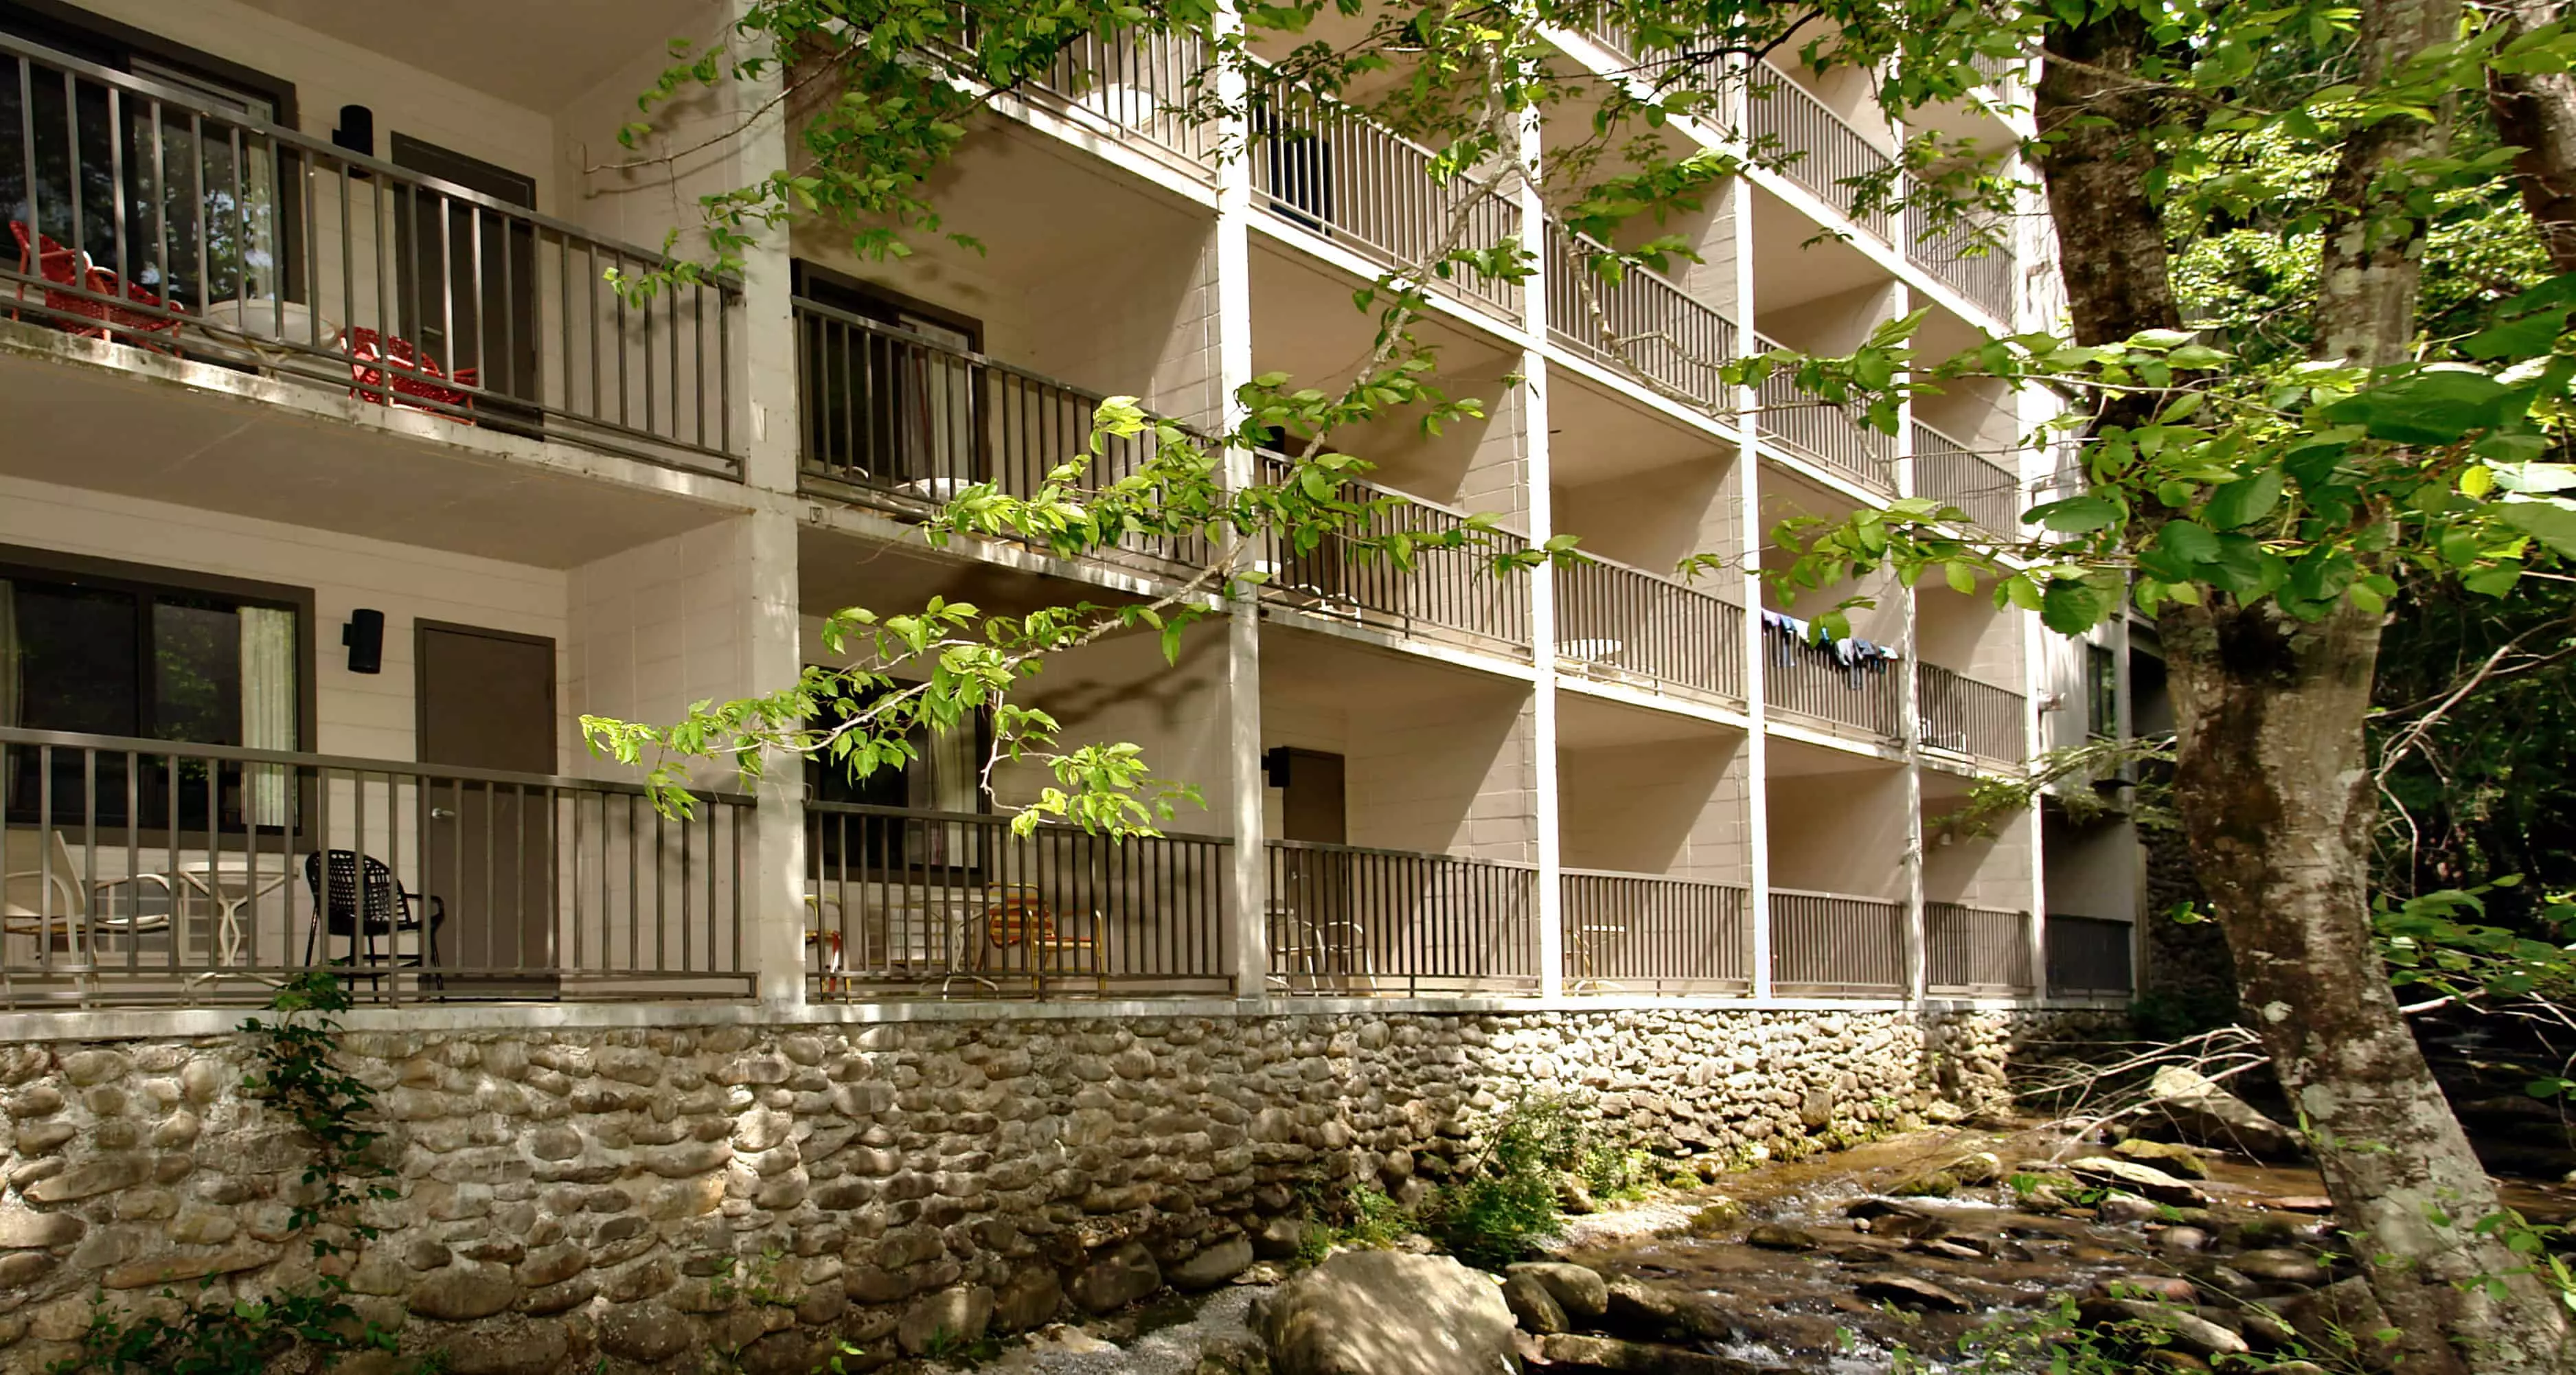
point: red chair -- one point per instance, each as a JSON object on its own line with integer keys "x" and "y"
{"x": 55, "y": 263}
{"x": 385, "y": 370}
{"x": 129, "y": 325}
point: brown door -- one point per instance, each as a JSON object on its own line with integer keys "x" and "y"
{"x": 487, "y": 701}
{"x": 1312, "y": 805}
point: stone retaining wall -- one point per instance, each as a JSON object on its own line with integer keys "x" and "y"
{"x": 737, "y": 1197}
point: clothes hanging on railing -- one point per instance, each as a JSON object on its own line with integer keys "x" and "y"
{"x": 1858, "y": 658}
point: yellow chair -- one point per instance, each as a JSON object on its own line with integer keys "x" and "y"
{"x": 1016, "y": 917}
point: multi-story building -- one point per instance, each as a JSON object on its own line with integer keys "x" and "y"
{"x": 337, "y": 486}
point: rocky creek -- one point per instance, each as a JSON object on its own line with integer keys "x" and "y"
{"x": 1837, "y": 1263}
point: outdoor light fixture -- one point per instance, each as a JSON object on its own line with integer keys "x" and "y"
{"x": 357, "y": 131}
{"x": 365, "y": 637}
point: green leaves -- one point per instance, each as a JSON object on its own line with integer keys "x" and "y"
{"x": 2075, "y": 515}
{"x": 2242, "y": 502}
{"x": 2071, "y": 606}
{"x": 2425, "y": 407}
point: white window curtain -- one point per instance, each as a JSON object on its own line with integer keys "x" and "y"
{"x": 948, "y": 778}
{"x": 268, "y": 707}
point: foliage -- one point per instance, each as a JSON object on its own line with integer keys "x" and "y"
{"x": 1506, "y": 1198}
{"x": 1362, "y": 1216}
{"x": 243, "y": 1336}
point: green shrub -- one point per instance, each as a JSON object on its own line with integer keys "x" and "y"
{"x": 1505, "y": 1201}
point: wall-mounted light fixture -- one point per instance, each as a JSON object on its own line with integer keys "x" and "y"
{"x": 357, "y": 131}
{"x": 365, "y": 637}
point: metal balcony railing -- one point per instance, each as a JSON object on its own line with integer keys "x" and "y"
{"x": 1960, "y": 714}
{"x": 1445, "y": 594}
{"x": 1822, "y": 151}
{"x": 2090, "y": 957}
{"x": 1791, "y": 415}
{"x": 1643, "y": 322}
{"x": 152, "y": 872}
{"x": 148, "y": 214}
{"x": 1967, "y": 258}
{"x": 1976, "y": 950}
{"x": 1620, "y": 623}
{"x": 1347, "y": 921}
{"x": 1325, "y": 167}
{"x": 908, "y": 902}
{"x": 1950, "y": 471}
{"x": 911, "y": 423}
{"x": 1648, "y": 933}
{"x": 1831, "y": 683}
{"x": 1136, "y": 83}
{"x": 1836, "y": 945}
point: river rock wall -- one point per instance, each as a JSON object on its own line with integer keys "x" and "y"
{"x": 755, "y": 1197}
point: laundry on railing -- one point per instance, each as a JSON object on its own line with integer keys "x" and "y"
{"x": 1858, "y": 658}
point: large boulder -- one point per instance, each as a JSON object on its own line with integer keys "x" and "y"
{"x": 2195, "y": 1108}
{"x": 1387, "y": 1313}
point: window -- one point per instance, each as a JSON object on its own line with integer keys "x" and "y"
{"x": 2101, "y": 692}
{"x": 222, "y": 210}
{"x": 893, "y": 403}
{"x": 119, "y": 653}
{"x": 945, "y": 775}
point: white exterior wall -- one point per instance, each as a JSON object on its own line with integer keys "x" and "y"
{"x": 1670, "y": 807}
{"x": 369, "y": 716}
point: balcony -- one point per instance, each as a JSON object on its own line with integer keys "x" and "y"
{"x": 905, "y": 423}
{"x": 1644, "y": 933}
{"x": 1962, "y": 257}
{"x": 201, "y": 234}
{"x": 1950, "y": 471}
{"x": 145, "y": 872}
{"x": 1642, "y": 322}
{"x": 1817, "y": 429}
{"x": 1133, "y": 86}
{"x": 1837, "y": 945}
{"x": 1625, "y": 625}
{"x": 1349, "y": 921}
{"x": 1976, "y": 951}
{"x": 911, "y": 903}
{"x": 1963, "y": 716}
{"x": 1830, "y": 684}
{"x": 1445, "y": 594}
{"x": 1327, "y": 169}
{"x": 1822, "y": 151}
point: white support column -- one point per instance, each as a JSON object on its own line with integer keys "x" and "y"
{"x": 1748, "y": 478}
{"x": 773, "y": 653}
{"x": 1909, "y": 714}
{"x": 1250, "y": 881}
{"x": 1542, "y": 526}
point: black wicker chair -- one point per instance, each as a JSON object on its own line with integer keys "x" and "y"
{"x": 361, "y": 901}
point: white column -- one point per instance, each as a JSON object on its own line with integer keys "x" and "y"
{"x": 1250, "y": 881}
{"x": 775, "y": 941}
{"x": 1542, "y": 526}
{"x": 1748, "y": 476}
{"x": 1909, "y": 716}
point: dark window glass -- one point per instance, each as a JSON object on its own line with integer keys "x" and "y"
{"x": 2101, "y": 691}
{"x": 196, "y": 673}
{"x": 77, "y": 649}
{"x": 105, "y": 657}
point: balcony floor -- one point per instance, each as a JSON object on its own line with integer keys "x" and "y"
{"x": 106, "y": 418}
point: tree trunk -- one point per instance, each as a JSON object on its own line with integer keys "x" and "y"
{"x": 2274, "y": 783}
{"x": 2097, "y": 159}
{"x": 2371, "y": 258}
{"x": 2536, "y": 112}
